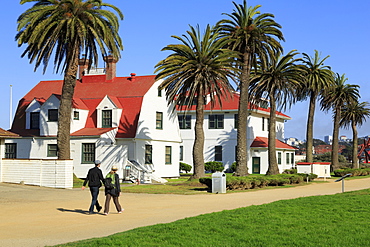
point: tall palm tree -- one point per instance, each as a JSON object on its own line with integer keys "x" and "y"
{"x": 335, "y": 98}
{"x": 255, "y": 36}
{"x": 354, "y": 114}
{"x": 277, "y": 80}
{"x": 318, "y": 78}
{"x": 197, "y": 68}
{"x": 66, "y": 28}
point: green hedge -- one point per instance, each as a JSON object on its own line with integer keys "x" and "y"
{"x": 252, "y": 182}
{"x": 214, "y": 166}
{"x": 355, "y": 172}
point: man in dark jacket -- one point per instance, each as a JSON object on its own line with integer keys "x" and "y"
{"x": 94, "y": 178}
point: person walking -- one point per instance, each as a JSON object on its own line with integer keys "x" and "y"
{"x": 112, "y": 191}
{"x": 94, "y": 178}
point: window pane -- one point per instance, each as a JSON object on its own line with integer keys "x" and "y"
{"x": 216, "y": 121}
{"x": 287, "y": 158}
{"x": 35, "y": 120}
{"x": 184, "y": 121}
{"x": 292, "y": 158}
{"x": 53, "y": 115}
{"x": 52, "y": 150}
{"x": 236, "y": 121}
{"x": 76, "y": 115}
{"x": 10, "y": 150}
{"x": 181, "y": 153}
{"x": 279, "y": 158}
{"x": 218, "y": 153}
{"x": 148, "y": 154}
{"x": 107, "y": 118}
{"x": 168, "y": 154}
{"x": 88, "y": 152}
{"x": 159, "y": 120}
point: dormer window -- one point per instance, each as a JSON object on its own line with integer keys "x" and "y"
{"x": 53, "y": 115}
{"x": 106, "y": 118}
{"x": 76, "y": 115}
{"x": 34, "y": 120}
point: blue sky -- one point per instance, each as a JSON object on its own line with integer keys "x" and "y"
{"x": 334, "y": 27}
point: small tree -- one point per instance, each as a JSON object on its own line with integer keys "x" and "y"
{"x": 214, "y": 166}
{"x": 185, "y": 167}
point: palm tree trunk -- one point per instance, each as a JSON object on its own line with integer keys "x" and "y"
{"x": 198, "y": 147}
{"x": 309, "y": 132}
{"x": 241, "y": 148}
{"x": 335, "y": 145}
{"x": 273, "y": 166}
{"x": 355, "y": 163}
{"x": 65, "y": 110}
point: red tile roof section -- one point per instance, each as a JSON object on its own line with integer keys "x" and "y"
{"x": 5, "y": 133}
{"x": 232, "y": 104}
{"x": 260, "y": 142}
{"x": 91, "y": 131}
{"x": 89, "y": 92}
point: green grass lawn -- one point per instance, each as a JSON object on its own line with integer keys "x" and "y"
{"x": 331, "y": 220}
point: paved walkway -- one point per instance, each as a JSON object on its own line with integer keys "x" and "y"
{"x": 35, "y": 216}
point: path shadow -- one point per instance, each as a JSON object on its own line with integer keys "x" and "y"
{"x": 79, "y": 211}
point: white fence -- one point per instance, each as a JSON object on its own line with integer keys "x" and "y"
{"x": 47, "y": 173}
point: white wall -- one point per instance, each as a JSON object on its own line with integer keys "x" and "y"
{"x": 48, "y": 128}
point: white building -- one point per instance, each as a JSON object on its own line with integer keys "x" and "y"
{"x": 122, "y": 121}
{"x": 220, "y": 130}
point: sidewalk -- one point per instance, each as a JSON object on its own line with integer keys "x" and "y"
{"x": 35, "y": 216}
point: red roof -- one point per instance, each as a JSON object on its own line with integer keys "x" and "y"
{"x": 4, "y": 133}
{"x": 91, "y": 131}
{"x": 260, "y": 142}
{"x": 126, "y": 94}
{"x": 231, "y": 103}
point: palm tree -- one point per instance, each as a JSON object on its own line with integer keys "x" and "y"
{"x": 254, "y": 36}
{"x": 277, "y": 80}
{"x": 354, "y": 114}
{"x": 67, "y": 28}
{"x": 335, "y": 98}
{"x": 197, "y": 68}
{"x": 318, "y": 78}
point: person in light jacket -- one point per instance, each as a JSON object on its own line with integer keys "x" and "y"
{"x": 113, "y": 192}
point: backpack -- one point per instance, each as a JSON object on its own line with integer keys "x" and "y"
{"x": 108, "y": 184}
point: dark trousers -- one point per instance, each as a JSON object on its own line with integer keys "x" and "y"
{"x": 94, "y": 202}
{"x": 107, "y": 202}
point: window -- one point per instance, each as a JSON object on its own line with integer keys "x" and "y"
{"x": 236, "y": 121}
{"x": 88, "y": 153}
{"x": 159, "y": 93}
{"x": 216, "y": 121}
{"x": 53, "y": 115}
{"x": 279, "y": 158}
{"x": 181, "y": 153}
{"x": 10, "y": 150}
{"x": 148, "y": 154}
{"x": 76, "y": 115}
{"x": 106, "y": 118}
{"x": 264, "y": 104}
{"x": 287, "y": 158}
{"x": 184, "y": 121}
{"x": 159, "y": 121}
{"x": 292, "y": 158}
{"x": 52, "y": 150}
{"x": 218, "y": 153}
{"x": 168, "y": 155}
{"x": 263, "y": 124}
{"x": 35, "y": 120}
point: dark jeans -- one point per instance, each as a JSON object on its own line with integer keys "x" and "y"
{"x": 94, "y": 202}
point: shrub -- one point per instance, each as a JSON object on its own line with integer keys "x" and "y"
{"x": 233, "y": 167}
{"x": 185, "y": 167}
{"x": 206, "y": 181}
{"x": 290, "y": 171}
{"x": 214, "y": 166}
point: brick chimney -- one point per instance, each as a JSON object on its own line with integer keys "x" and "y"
{"x": 83, "y": 63}
{"x": 110, "y": 72}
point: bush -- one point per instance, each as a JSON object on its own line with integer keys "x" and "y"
{"x": 355, "y": 172}
{"x": 185, "y": 167}
{"x": 233, "y": 167}
{"x": 214, "y": 166}
{"x": 290, "y": 171}
{"x": 206, "y": 181}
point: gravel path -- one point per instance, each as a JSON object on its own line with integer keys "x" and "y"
{"x": 35, "y": 216}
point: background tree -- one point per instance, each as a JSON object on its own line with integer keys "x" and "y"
{"x": 197, "y": 68}
{"x": 335, "y": 97}
{"x": 354, "y": 114}
{"x": 66, "y": 28}
{"x": 318, "y": 78}
{"x": 277, "y": 79}
{"x": 255, "y": 36}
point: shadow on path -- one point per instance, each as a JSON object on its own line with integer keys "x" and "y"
{"x": 79, "y": 211}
